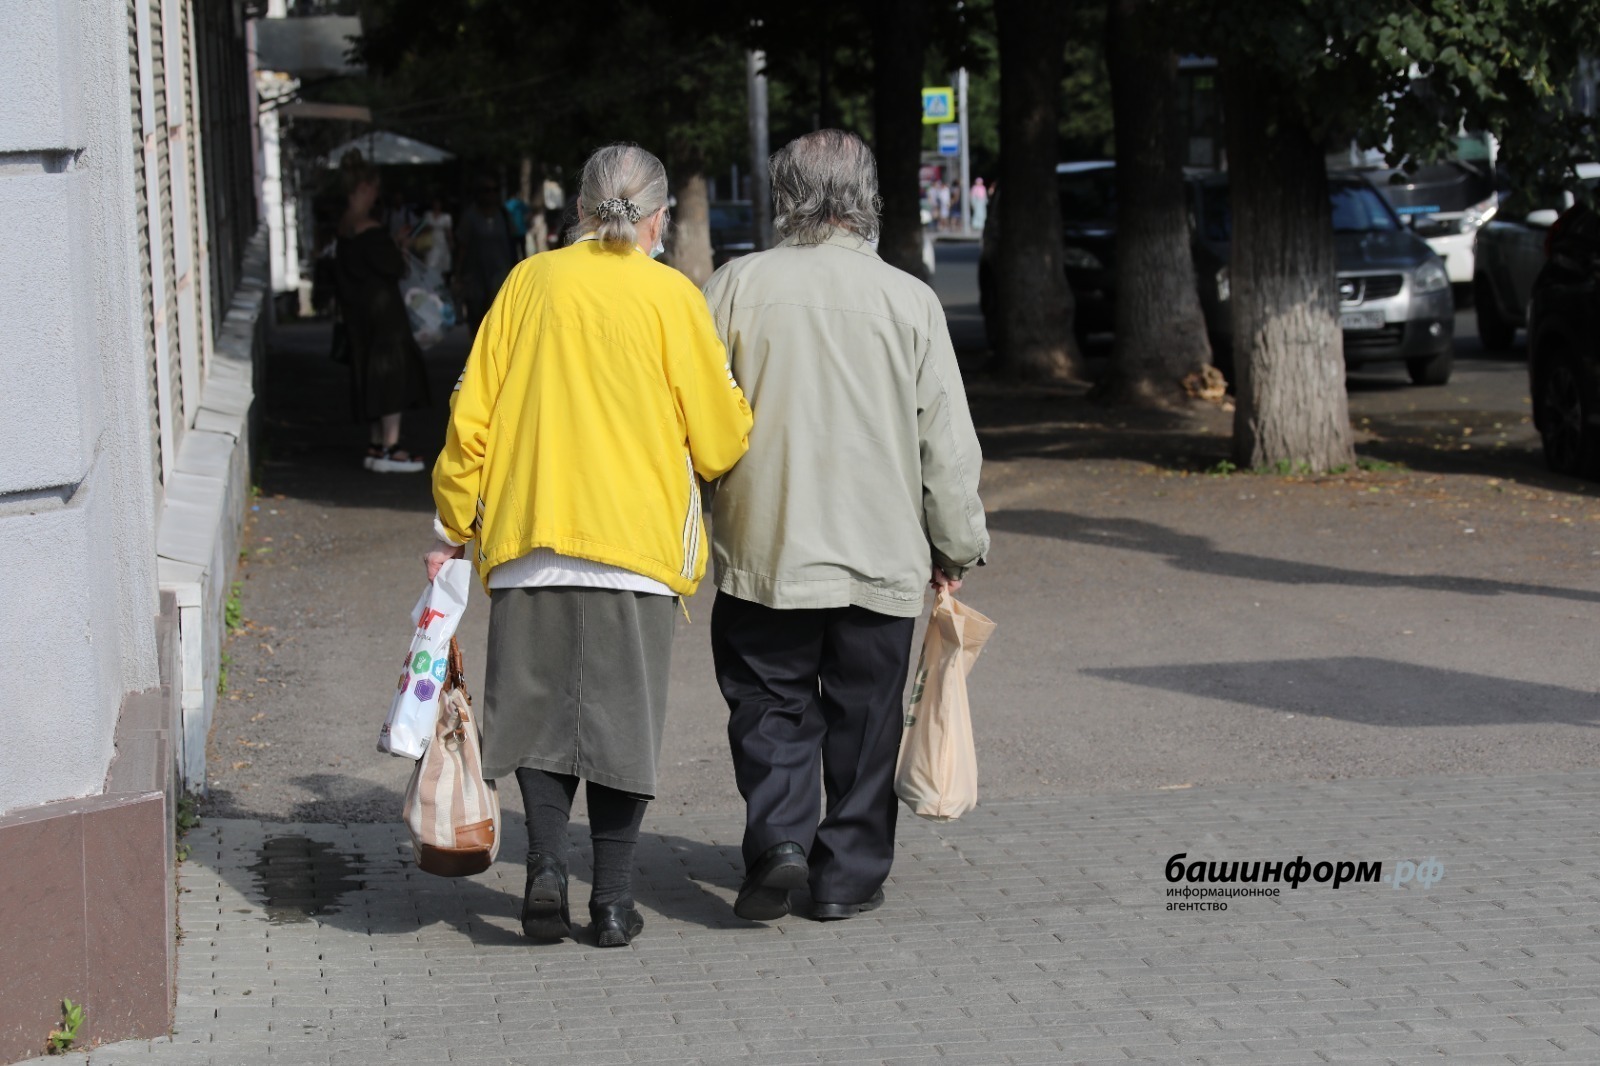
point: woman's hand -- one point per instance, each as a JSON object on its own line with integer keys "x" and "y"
{"x": 440, "y": 554}
{"x": 942, "y": 582}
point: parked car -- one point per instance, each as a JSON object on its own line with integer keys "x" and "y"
{"x": 1395, "y": 302}
{"x": 1088, "y": 194}
{"x": 1446, "y": 204}
{"x": 1564, "y": 345}
{"x": 733, "y": 230}
{"x": 1510, "y": 254}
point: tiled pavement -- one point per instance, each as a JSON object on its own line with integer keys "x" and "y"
{"x": 1028, "y": 932}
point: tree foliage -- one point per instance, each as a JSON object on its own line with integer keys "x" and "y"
{"x": 1403, "y": 76}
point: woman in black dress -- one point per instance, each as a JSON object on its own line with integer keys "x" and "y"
{"x": 387, "y": 372}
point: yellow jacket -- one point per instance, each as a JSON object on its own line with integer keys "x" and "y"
{"x": 595, "y": 392}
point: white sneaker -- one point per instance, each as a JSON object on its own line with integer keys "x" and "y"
{"x": 386, "y": 464}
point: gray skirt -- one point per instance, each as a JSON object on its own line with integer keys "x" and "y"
{"x": 576, "y": 683}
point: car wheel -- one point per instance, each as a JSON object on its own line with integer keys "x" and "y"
{"x": 1434, "y": 371}
{"x": 1493, "y": 330}
{"x": 1571, "y": 442}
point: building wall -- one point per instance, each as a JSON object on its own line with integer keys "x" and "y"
{"x": 132, "y": 285}
{"x": 77, "y": 488}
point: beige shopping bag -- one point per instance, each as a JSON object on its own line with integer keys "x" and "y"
{"x": 938, "y": 772}
{"x": 452, "y": 812}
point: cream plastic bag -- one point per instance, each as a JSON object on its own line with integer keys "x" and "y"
{"x": 938, "y": 772}
{"x": 414, "y": 710}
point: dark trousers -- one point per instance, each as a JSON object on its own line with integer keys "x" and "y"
{"x": 808, "y": 688}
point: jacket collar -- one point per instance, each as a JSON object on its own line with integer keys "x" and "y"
{"x": 838, "y": 237}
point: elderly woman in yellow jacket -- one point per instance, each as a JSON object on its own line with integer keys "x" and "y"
{"x": 596, "y": 394}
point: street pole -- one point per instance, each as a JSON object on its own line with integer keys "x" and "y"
{"x": 760, "y": 147}
{"x": 966, "y": 162}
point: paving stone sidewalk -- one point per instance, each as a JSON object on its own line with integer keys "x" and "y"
{"x": 1027, "y": 932}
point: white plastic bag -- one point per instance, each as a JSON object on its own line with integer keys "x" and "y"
{"x": 414, "y": 711}
{"x": 427, "y": 301}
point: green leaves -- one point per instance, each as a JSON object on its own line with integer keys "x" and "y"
{"x": 1406, "y": 75}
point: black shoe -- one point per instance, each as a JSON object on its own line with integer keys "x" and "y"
{"x": 833, "y": 912}
{"x": 544, "y": 901}
{"x": 765, "y": 892}
{"x": 616, "y": 924}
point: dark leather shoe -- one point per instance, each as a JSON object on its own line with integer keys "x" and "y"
{"x": 834, "y": 912}
{"x": 616, "y": 924}
{"x": 765, "y": 892}
{"x": 544, "y": 901}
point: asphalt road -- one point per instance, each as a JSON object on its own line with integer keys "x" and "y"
{"x": 1159, "y": 627}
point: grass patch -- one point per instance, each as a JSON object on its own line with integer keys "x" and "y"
{"x": 60, "y": 1041}
{"x": 185, "y": 818}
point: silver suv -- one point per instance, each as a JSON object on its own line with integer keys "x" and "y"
{"x": 1395, "y": 302}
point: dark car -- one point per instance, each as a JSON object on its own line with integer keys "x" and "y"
{"x": 1510, "y": 253}
{"x": 733, "y": 230}
{"x": 1395, "y": 302}
{"x": 1564, "y": 345}
{"x": 1088, "y": 194}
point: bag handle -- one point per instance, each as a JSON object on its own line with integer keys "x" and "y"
{"x": 456, "y": 672}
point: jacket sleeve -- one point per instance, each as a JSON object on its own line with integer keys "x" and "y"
{"x": 951, "y": 459}
{"x": 458, "y": 472}
{"x": 715, "y": 411}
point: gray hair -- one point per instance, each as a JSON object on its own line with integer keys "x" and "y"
{"x": 825, "y": 180}
{"x": 621, "y": 184}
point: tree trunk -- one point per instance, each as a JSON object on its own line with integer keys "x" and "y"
{"x": 1160, "y": 329}
{"x": 900, "y": 42}
{"x": 691, "y": 227}
{"x": 1288, "y": 351}
{"x": 1035, "y": 303}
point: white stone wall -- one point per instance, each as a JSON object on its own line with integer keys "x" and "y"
{"x": 77, "y": 507}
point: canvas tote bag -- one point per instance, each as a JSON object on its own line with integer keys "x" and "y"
{"x": 937, "y": 776}
{"x": 452, "y": 812}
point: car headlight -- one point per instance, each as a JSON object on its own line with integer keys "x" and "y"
{"x": 1430, "y": 277}
{"x": 1224, "y": 285}
{"x": 1081, "y": 259}
{"x": 1479, "y": 213}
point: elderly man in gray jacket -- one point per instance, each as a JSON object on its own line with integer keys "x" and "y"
{"x": 861, "y": 482}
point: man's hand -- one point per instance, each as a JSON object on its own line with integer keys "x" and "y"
{"x": 440, "y": 554}
{"x": 942, "y": 581}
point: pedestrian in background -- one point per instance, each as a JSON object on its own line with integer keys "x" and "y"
{"x": 436, "y": 238}
{"x": 861, "y": 484}
{"x": 596, "y": 392}
{"x": 941, "y": 204}
{"x": 483, "y": 251}
{"x": 387, "y": 375}
{"x": 979, "y": 198}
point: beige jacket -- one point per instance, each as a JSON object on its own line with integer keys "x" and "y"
{"x": 863, "y": 463}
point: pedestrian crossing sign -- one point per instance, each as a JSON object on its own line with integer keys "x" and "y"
{"x": 938, "y": 106}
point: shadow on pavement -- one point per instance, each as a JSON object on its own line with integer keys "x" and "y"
{"x": 1186, "y": 551}
{"x": 1370, "y": 691}
{"x": 379, "y": 890}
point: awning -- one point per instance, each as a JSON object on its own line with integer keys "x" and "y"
{"x": 387, "y": 149}
{"x": 317, "y": 109}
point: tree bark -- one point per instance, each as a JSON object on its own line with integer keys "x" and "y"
{"x": 900, "y": 43}
{"x": 1288, "y": 350}
{"x": 1035, "y": 303}
{"x": 691, "y": 228}
{"x": 1160, "y": 328}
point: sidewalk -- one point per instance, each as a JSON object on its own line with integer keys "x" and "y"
{"x": 1028, "y": 932}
